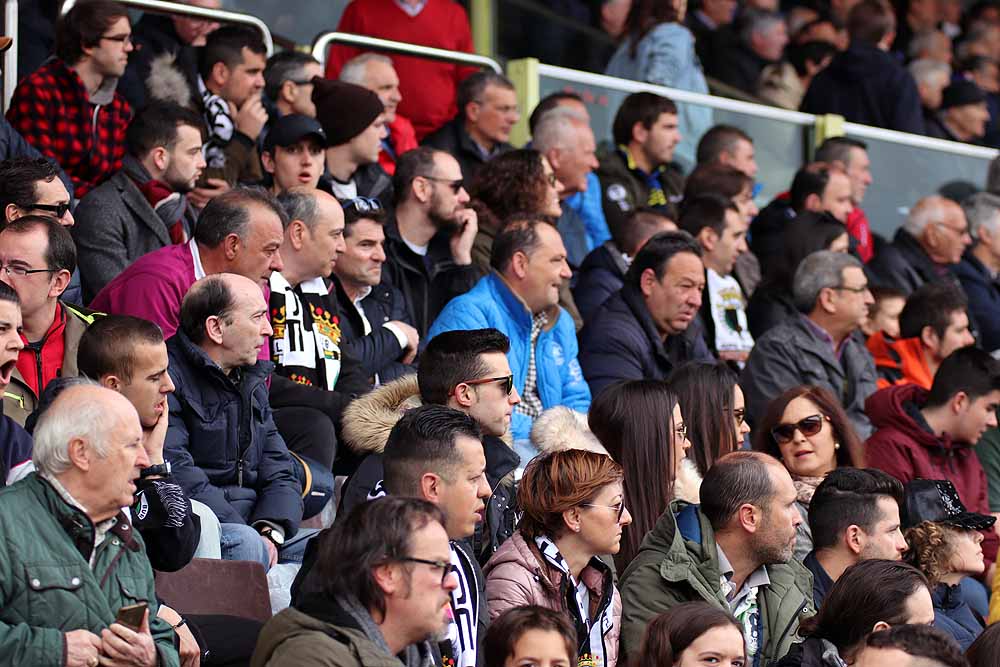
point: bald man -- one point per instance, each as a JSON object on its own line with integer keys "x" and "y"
{"x": 931, "y": 240}
{"x": 88, "y": 455}
{"x": 307, "y": 345}
{"x": 221, "y": 439}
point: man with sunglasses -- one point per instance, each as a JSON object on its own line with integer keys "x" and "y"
{"x": 821, "y": 345}
{"x": 68, "y": 108}
{"x": 307, "y": 346}
{"x": 37, "y": 258}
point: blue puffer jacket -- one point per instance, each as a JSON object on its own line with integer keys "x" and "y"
{"x": 222, "y": 442}
{"x": 955, "y": 616}
{"x": 492, "y": 304}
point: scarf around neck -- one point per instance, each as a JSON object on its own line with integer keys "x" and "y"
{"x": 805, "y": 487}
{"x": 220, "y": 125}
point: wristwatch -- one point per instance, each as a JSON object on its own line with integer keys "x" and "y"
{"x": 273, "y": 535}
{"x": 158, "y": 470}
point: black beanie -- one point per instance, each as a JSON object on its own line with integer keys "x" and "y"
{"x": 961, "y": 93}
{"x": 344, "y": 109}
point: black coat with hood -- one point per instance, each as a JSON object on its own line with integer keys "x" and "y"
{"x": 866, "y": 85}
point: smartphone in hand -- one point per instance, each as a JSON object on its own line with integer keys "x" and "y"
{"x": 131, "y": 616}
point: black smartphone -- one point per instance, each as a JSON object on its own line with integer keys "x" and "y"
{"x": 131, "y": 616}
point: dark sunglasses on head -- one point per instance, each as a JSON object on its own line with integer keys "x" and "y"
{"x": 508, "y": 381}
{"x": 362, "y": 204}
{"x": 58, "y": 210}
{"x": 810, "y": 426}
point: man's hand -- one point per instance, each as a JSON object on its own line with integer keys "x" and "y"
{"x": 190, "y": 651}
{"x": 412, "y": 341}
{"x": 82, "y": 648}
{"x": 462, "y": 240}
{"x": 204, "y": 194}
{"x": 152, "y": 440}
{"x": 122, "y": 647}
{"x": 272, "y": 552}
{"x": 251, "y": 117}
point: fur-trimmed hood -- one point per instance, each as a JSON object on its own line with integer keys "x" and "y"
{"x": 562, "y": 428}
{"x": 369, "y": 418}
{"x": 687, "y": 486}
{"x": 166, "y": 82}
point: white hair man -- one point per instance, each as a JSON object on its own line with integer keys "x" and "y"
{"x": 375, "y": 72}
{"x": 88, "y": 454}
{"x": 980, "y": 266}
{"x": 564, "y": 137}
{"x": 933, "y": 237}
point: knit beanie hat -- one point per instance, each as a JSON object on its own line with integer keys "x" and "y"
{"x": 344, "y": 109}
{"x": 960, "y": 93}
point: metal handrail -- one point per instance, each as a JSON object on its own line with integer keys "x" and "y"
{"x": 220, "y": 15}
{"x": 323, "y": 41}
{"x": 763, "y": 111}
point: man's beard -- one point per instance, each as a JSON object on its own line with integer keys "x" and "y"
{"x": 766, "y": 552}
{"x": 448, "y": 225}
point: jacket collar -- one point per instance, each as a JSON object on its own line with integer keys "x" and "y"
{"x": 915, "y": 255}
{"x": 125, "y": 181}
{"x": 515, "y": 305}
{"x": 675, "y": 347}
{"x": 200, "y": 360}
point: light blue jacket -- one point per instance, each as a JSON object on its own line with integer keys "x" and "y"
{"x": 492, "y": 304}
{"x": 588, "y": 206}
{"x": 666, "y": 57}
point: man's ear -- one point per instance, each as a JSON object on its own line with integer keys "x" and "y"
{"x": 161, "y": 157}
{"x": 213, "y": 329}
{"x": 298, "y": 234}
{"x": 288, "y": 92}
{"x": 825, "y": 300}
{"x": 112, "y": 382}
{"x": 472, "y": 110}
{"x": 60, "y": 281}
{"x": 749, "y": 517}
{"x": 881, "y": 625}
{"x": 430, "y": 487}
{"x": 854, "y": 539}
{"x": 464, "y": 395}
{"x": 639, "y": 132}
{"x": 80, "y": 454}
{"x": 12, "y": 212}
{"x": 708, "y": 237}
{"x": 929, "y": 338}
{"x": 267, "y": 160}
{"x": 388, "y": 576}
{"x": 231, "y": 246}
{"x": 813, "y": 203}
{"x": 219, "y": 73}
{"x": 647, "y": 282}
{"x": 959, "y": 403}
{"x": 519, "y": 264}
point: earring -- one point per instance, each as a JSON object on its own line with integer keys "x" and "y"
{"x": 836, "y": 445}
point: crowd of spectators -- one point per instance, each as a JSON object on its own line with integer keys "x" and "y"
{"x": 581, "y": 402}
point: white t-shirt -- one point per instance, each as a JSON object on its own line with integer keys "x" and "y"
{"x": 729, "y": 314}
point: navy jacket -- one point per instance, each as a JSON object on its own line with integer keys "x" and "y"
{"x": 601, "y": 275}
{"x": 983, "y": 291}
{"x": 905, "y": 265}
{"x": 379, "y": 351}
{"x": 955, "y": 616}
{"x": 622, "y": 343}
{"x": 222, "y": 442}
{"x": 866, "y": 85}
{"x": 822, "y": 583}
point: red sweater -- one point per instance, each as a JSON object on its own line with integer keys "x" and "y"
{"x": 428, "y": 87}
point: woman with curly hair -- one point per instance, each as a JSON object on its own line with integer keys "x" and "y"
{"x": 519, "y": 182}
{"x": 945, "y": 544}
{"x": 806, "y": 429}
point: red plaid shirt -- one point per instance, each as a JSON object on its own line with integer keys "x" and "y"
{"x": 53, "y": 112}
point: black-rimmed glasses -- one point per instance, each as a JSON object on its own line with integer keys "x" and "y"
{"x": 21, "y": 271}
{"x": 443, "y": 565}
{"x": 121, "y": 39}
{"x": 856, "y": 290}
{"x": 507, "y": 379}
{"x": 58, "y": 210}
{"x": 620, "y": 508}
{"x": 362, "y": 204}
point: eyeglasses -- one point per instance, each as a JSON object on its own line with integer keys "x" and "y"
{"x": 121, "y": 39}
{"x": 620, "y": 508}
{"x": 681, "y": 431}
{"x": 21, "y": 271}
{"x": 740, "y": 414}
{"x": 961, "y": 232}
{"x": 362, "y": 204}
{"x": 857, "y": 290}
{"x": 59, "y": 210}
{"x": 552, "y": 179}
{"x": 810, "y": 426}
{"x": 443, "y": 565}
{"x": 507, "y": 379}
{"x": 455, "y": 185}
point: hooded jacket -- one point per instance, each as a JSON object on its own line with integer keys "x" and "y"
{"x": 983, "y": 291}
{"x": 622, "y": 343}
{"x": 519, "y": 575}
{"x": 328, "y": 636}
{"x": 491, "y": 303}
{"x": 866, "y": 85}
{"x": 954, "y": 615}
{"x": 679, "y": 562}
{"x": 899, "y": 361}
{"x": 904, "y": 447}
{"x": 367, "y": 423}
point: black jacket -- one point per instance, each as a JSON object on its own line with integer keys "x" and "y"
{"x": 822, "y": 583}
{"x": 427, "y": 283}
{"x": 767, "y": 232}
{"x": 153, "y": 35}
{"x": 453, "y": 139}
{"x": 983, "y": 291}
{"x": 866, "y": 85}
{"x": 162, "y": 515}
{"x": 622, "y": 343}
{"x": 379, "y": 351}
{"x": 813, "y": 652}
{"x": 905, "y": 265}
{"x": 769, "y": 306}
{"x": 601, "y": 275}
{"x": 735, "y": 64}
{"x": 222, "y": 442}
{"x": 372, "y": 182}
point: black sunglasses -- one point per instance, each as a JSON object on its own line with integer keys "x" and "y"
{"x": 810, "y": 426}
{"x": 59, "y": 210}
{"x": 508, "y": 381}
{"x": 454, "y": 185}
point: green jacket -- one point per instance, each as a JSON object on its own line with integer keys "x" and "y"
{"x": 295, "y": 639}
{"x": 676, "y": 565}
{"x": 47, "y": 586}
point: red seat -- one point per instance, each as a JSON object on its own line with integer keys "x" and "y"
{"x": 209, "y": 586}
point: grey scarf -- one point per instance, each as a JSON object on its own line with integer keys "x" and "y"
{"x": 415, "y": 655}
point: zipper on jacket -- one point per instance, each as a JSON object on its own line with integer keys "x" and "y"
{"x": 239, "y": 472}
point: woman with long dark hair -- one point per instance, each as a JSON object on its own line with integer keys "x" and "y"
{"x": 693, "y": 634}
{"x": 869, "y": 596}
{"x": 714, "y": 410}
{"x": 574, "y": 511}
{"x": 639, "y": 422}
{"x": 806, "y": 429}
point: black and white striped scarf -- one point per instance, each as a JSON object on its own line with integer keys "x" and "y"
{"x": 591, "y": 632}
{"x": 220, "y": 126}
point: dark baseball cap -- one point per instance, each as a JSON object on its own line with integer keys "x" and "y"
{"x": 292, "y": 129}
{"x": 937, "y": 500}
